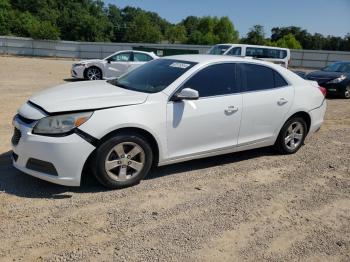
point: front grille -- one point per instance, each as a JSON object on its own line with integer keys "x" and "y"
{"x": 16, "y": 136}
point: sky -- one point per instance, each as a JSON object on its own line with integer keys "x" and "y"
{"x": 328, "y": 17}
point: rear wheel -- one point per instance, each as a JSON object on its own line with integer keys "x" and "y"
{"x": 292, "y": 136}
{"x": 93, "y": 73}
{"x": 347, "y": 92}
{"x": 122, "y": 161}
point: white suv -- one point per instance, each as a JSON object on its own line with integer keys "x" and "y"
{"x": 169, "y": 110}
{"x": 112, "y": 66}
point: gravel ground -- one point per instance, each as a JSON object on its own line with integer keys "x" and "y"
{"x": 253, "y": 206}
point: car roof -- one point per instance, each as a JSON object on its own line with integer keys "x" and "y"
{"x": 136, "y": 51}
{"x": 259, "y": 46}
{"x": 206, "y": 59}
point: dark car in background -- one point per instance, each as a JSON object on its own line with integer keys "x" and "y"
{"x": 335, "y": 78}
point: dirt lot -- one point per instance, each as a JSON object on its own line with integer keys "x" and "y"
{"x": 252, "y": 206}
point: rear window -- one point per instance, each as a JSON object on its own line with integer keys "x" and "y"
{"x": 266, "y": 53}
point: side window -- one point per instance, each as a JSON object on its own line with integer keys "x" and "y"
{"x": 255, "y": 52}
{"x": 121, "y": 57}
{"x": 219, "y": 79}
{"x": 141, "y": 57}
{"x": 258, "y": 77}
{"x": 266, "y": 52}
{"x": 279, "y": 80}
{"x": 235, "y": 51}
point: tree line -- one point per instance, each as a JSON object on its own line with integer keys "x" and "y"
{"x": 92, "y": 20}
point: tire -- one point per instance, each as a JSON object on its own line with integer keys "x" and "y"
{"x": 291, "y": 136}
{"x": 122, "y": 161}
{"x": 346, "y": 94}
{"x": 93, "y": 73}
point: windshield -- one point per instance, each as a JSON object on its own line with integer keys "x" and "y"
{"x": 219, "y": 49}
{"x": 153, "y": 76}
{"x": 338, "y": 67}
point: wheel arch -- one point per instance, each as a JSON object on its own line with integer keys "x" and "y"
{"x": 136, "y": 131}
{"x": 303, "y": 114}
{"x": 123, "y": 130}
{"x": 90, "y": 66}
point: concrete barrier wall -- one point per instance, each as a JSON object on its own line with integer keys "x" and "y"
{"x": 87, "y": 50}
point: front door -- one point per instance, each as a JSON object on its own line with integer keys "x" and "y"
{"x": 211, "y": 122}
{"x": 118, "y": 64}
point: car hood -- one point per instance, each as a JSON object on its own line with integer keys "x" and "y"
{"x": 89, "y": 61}
{"x": 84, "y": 96}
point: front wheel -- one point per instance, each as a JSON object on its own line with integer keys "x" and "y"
{"x": 122, "y": 161}
{"x": 93, "y": 73}
{"x": 292, "y": 136}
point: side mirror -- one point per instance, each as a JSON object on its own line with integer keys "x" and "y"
{"x": 108, "y": 60}
{"x": 186, "y": 94}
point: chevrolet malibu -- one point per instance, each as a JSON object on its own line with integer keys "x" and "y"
{"x": 169, "y": 110}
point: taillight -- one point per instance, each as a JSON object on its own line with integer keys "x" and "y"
{"x": 323, "y": 90}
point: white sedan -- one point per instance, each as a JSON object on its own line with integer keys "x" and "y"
{"x": 169, "y": 110}
{"x": 112, "y": 66}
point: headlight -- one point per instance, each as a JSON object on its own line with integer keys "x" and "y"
{"x": 60, "y": 124}
{"x": 78, "y": 64}
{"x": 337, "y": 80}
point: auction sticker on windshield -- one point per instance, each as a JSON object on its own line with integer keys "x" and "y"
{"x": 180, "y": 65}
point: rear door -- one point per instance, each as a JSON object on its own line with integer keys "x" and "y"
{"x": 267, "y": 98}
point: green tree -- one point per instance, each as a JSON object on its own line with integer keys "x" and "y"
{"x": 225, "y": 31}
{"x": 195, "y": 38}
{"x": 191, "y": 24}
{"x": 176, "y": 33}
{"x": 287, "y": 41}
{"x": 43, "y": 30}
{"x": 116, "y": 20}
{"x": 4, "y": 17}
{"x": 141, "y": 30}
{"x": 256, "y": 36}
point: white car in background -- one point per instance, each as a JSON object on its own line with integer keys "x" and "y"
{"x": 169, "y": 110}
{"x": 272, "y": 54}
{"x": 112, "y": 66}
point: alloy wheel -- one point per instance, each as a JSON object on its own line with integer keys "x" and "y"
{"x": 93, "y": 74}
{"x": 124, "y": 161}
{"x": 294, "y": 135}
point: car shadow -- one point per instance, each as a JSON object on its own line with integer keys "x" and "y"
{"x": 17, "y": 183}
{"x": 208, "y": 162}
{"x": 14, "y": 182}
{"x": 73, "y": 80}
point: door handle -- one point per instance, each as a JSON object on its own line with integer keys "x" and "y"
{"x": 282, "y": 101}
{"x": 231, "y": 109}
